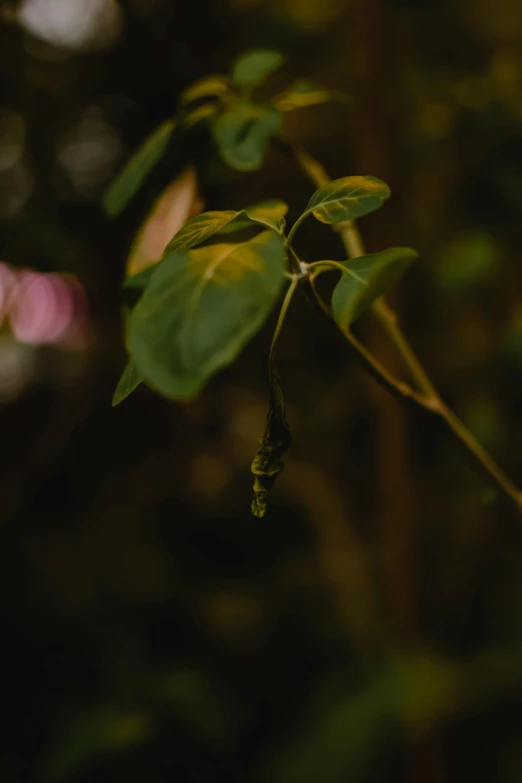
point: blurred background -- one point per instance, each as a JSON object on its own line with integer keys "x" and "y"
{"x": 370, "y": 627}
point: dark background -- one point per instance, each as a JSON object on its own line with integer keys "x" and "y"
{"x": 370, "y": 627}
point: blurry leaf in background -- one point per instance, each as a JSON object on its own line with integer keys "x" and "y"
{"x": 178, "y": 202}
{"x": 200, "y": 308}
{"x": 210, "y": 87}
{"x": 484, "y": 418}
{"x": 343, "y": 733}
{"x": 306, "y": 93}
{"x": 349, "y": 733}
{"x": 312, "y": 15}
{"x": 202, "y": 704}
{"x": 91, "y": 734}
{"x": 347, "y": 198}
{"x": 367, "y": 278}
{"x": 467, "y": 260}
{"x": 198, "y": 703}
{"x": 253, "y": 67}
{"x": 242, "y": 134}
{"x": 126, "y": 185}
{"x": 129, "y": 381}
{"x": 134, "y": 285}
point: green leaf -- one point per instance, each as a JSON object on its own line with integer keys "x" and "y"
{"x": 208, "y": 88}
{"x": 348, "y": 198}
{"x": 96, "y": 732}
{"x": 304, "y": 93}
{"x": 129, "y": 381}
{"x": 273, "y": 444}
{"x": 127, "y": 184}
{"x": 199, "y": 310}
{"x": 367, "y": 278}
{"x": 343, "y": 734}
{"x": 243, "y": 133}
{"x": 140, "y": 280}
{"x": 266, "y": 213}
{"x": 253, "y": 67}
{"x": 134, "y": 286}
{"x": 201, "y": 228}
{"x": 198, "y": 115}
{"x": 205, "y": 225}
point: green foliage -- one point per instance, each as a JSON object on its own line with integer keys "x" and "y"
{"x": 242, "y": 134}
{"x": 241, "y": 128}
{"x": 94, "y": 733}
{"x": 348, "y": 198}
{"x": 195, "y": 309}
{"x": 204, "y": 226}
{"x": 140, "y": 280}
{"x": 129, "y": 381}
{"x": 365, "y": 279}
{"x": 340, "y": 731}
{"x": 201, "y": 228}
{"x": 253, "y": 67}
{"x": 273, "y": 444}
{"x": 211, "y": 87}
{"x": 468, "y": 260}
{"x": 305, "y": 93}
{"x": 189, "y": 695}
{"x": 266, "y": 213}
{"x": 200, "y": 308}
{"x": 202, "y": 704}
{"x": 137, "y": 169}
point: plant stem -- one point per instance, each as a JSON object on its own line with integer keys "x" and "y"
{"x": 426, "y": 398}
{"x": 294, "y": 228}
{"x": 405, "y": 394}
{"x": 280, "y": 321}
{"x": 354, "y": 245}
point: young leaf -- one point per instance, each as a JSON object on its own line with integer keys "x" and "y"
{"x": 304, "y": 93}
{"x": 274, "y": 442}
{"x": 265, "y": 213}
{"x": 253, "y": 67}
{"x": 211, "y": 87}
{"x": 126, "y": 185}
{"x": 243, "y": 133}
{"x": 129, "y": 381}
{"x": 201, "y": 228}
{"x": 367, "y": 278}
{"x": 348, "y": 198}
{"x": 198, "y": 115}
{"x": 204, "y": 226}
{"x": 268, "y": 213}
{"x": 200, "y": 308}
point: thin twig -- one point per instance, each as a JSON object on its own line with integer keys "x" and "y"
{"x": 426, "y": 398}
{"x": 406, "y": 395}
{"x": 280, "y": 321}
{"x": 354, "y": 246}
